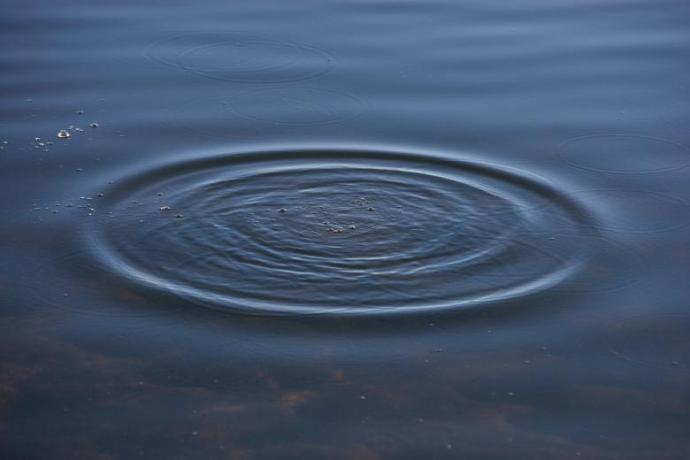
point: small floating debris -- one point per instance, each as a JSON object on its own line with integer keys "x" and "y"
{"x": 282, "y": 210}
{"x": 164, "y": 208}
{"x": 40, "y": 144}
{"x": 371, "y": 209}
{"x": 63, "y": 134}
{"x": 352, "y": 227}
{"x": 178, "y": 216}
{"x": 94, "y": 125}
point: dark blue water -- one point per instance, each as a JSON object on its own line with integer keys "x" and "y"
{"x": 344, "y": 230}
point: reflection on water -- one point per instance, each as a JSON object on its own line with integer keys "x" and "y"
{"x": 354, "y": 230}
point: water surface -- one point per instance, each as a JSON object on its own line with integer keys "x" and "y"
{"x": 348, "y": 230}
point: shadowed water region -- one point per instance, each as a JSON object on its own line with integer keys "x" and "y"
{"x": 345, "y": 230}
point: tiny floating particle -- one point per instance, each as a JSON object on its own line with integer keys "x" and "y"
{"x": 282, "y": 210}
{"x": 63, "y": 134}
{"x": 370, "y": 209}
{"x": 164, "y": 208}
{"x": 178, "y": 216}
{"x": 94, "y": 125}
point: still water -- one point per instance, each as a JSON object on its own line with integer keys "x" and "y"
{"x": 345, "y": 230}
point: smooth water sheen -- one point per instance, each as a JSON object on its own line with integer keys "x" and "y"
{"x": 356, "y": 229}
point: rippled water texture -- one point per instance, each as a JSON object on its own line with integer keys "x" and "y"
{"x": 339, "y": 232}
{"x": 349, "y": 229}
{"x": 241, "y": 57}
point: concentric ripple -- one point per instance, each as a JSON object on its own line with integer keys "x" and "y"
{"x": 238, "y": 57}
{"x": 338, "y": 232}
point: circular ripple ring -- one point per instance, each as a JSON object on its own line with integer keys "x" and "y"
{"x": 337, "y": 232}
